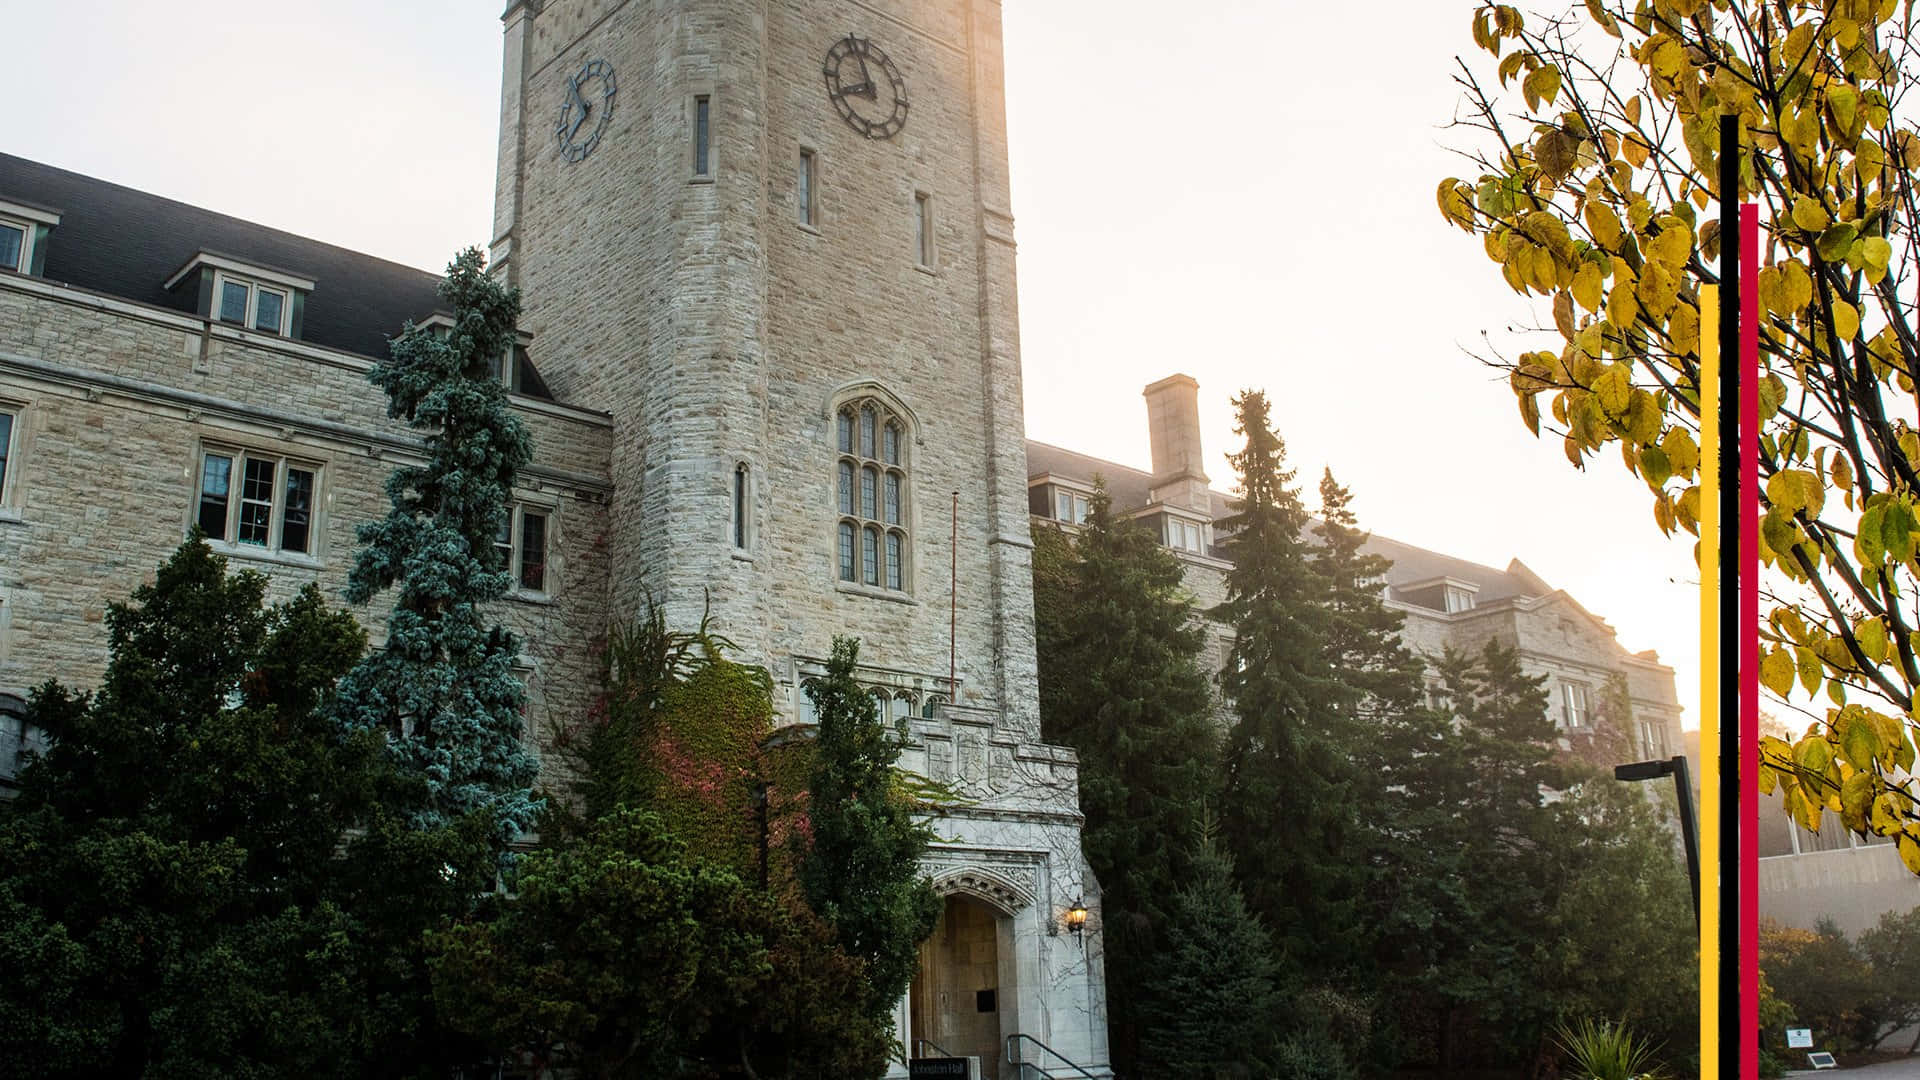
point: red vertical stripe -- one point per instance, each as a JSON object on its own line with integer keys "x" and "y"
{"x": 1748, "y": 629}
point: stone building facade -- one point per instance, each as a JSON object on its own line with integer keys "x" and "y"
{"x": 770, "y": 363}
{"x": 1606, "y": 702}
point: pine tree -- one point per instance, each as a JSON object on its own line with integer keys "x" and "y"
{"x": 169, "y": 894}
{"x": 863, "y": 873}
{"x": 1288, "y": 813}
{"x": 1208, "y": 1012}
{"x": 443, "y": 689}
{"x": 1120, "y": 682}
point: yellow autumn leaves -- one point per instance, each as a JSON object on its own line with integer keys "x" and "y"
{"x": 1600, "y": 155}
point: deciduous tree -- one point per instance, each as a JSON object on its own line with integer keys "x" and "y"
{"x": 170, "y": 901}
{"x": 1596, "y": 138}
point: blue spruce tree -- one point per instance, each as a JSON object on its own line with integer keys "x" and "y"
{"x": 443, "y": 689}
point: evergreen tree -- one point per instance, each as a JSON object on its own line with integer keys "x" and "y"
{"x": 1208, "y": 1011}
{"x": 1120, "y": 681}
{"x": 1466, "y": 889}
{"x": 1362, "y": 634}
{"x": 863, "y": 873}
{"x": 617, "y": 955}
{"x": 169, "y": 902}
{"x": 1288, "y": 810}
{"x": 443, "y": 689}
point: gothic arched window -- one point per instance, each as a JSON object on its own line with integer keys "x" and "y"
{"x": 871, "y": 496}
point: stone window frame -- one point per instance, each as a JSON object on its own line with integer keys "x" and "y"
{"x": 1582, "y": 716}
{"x": 926, "y": 231}
{"x": 806, "y": 188}
{"x": 548, "y": 510}
{"x": 696, "y": 97}
{"x": 17, "y": 738}
{"x": 901, "y": 697}
{"x": 883, "y": 539}
{"x": 13, "y": 443}
{"x": 743, "y": 483}
{"x": 284, "y": 456}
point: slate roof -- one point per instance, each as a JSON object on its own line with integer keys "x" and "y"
{"x": 127, "y": 243}
{"x": 1411, "y": 564}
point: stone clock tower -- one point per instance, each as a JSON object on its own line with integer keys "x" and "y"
{"x": 772, "y": 239}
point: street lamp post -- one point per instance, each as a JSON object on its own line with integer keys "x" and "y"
{"x": 1675, "y": 767}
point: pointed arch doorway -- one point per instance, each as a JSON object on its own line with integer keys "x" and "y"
{"x": 966, "y": 998}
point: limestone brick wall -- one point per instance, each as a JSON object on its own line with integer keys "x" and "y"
{"x": 718, "y": 330}
{"x": 117, "y": 400}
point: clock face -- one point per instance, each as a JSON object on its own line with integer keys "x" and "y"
{"x": 585, "y": 107}
{"x": 866, "y": 88}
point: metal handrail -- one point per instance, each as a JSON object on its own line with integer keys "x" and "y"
{"x": 920, "y": 1048}
{"x": 1014, "y": 1058}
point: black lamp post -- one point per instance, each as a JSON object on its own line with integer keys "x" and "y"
{"x": 1675, "y": 767}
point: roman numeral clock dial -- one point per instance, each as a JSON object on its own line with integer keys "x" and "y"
{"x": 866, "y": 88}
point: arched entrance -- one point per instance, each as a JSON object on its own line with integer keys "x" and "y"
{"x": 960, "y": 993}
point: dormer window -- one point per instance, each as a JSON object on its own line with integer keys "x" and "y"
{"x": 24, "y": 229}
{"x": 246, "y": 295}
{"x": 514, "y": 368}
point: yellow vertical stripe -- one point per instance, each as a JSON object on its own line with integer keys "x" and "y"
{"x": 1709, "y": 680}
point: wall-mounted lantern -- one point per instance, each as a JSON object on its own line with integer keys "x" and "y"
{"x": 1076, "y": 916}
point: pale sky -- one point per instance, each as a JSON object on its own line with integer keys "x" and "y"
{"x": 1241, "y": 190}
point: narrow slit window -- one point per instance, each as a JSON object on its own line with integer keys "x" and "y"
{"x": 846, "y": 431}
{"x": 893, "y": 498}
{"x": 740, "y": 506}
{"x": 846, "y": 487}
{"x": 923, "y": 229}
{"x": 868, "y": 479}
{"x": 804, "y": 187}
{"x": 870, "y": 552}
{"x": 702, "y": 135}
{"x": 893, "y": 561}
{"x": 846, "y": 551}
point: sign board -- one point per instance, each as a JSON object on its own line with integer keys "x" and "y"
{"x": 1799, "y": 1038}
{"x": 1822, "y": 1060}
{"x": 937, "y": 1069}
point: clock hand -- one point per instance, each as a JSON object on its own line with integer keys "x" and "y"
{"x": 865, "y": 90}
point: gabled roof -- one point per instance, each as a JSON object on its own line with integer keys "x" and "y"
{"x": 127, "y": 243}
{"x": 1129, "y": 488}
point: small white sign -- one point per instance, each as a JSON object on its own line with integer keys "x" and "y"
{"x": 1822, "y": 1060}
{"x": 1799, "y": 1038}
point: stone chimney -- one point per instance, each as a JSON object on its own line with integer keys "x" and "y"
{"x": 1173, "y": 428}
